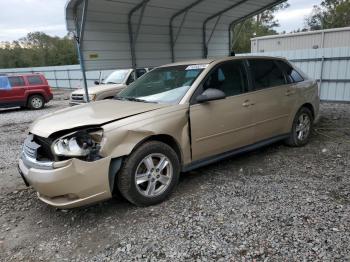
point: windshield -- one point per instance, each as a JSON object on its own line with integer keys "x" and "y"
{"x": 162, "y": 85}
{"x": 117, "y": 77}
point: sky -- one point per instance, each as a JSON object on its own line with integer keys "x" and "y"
{"x": 19, "y": 17}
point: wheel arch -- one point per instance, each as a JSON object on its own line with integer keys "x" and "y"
{"x": 108, "y": 97}
{"x": 310, "y": 107}
{"x": 29, "y": 95}
{"x": 166, "y": 139}
{"x": 116, "y": 163}
{"x": 294, "y": 113}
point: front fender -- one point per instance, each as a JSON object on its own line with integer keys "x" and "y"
{"x": 120, "y": 140}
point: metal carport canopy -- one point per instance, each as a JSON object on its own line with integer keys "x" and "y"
{"x": 116, "y": 34}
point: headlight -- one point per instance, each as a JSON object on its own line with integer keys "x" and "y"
{"x": 78, "y": 144}
{"x": 92, "y": 97}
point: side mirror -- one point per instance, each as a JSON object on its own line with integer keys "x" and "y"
{"x": 210, "y": 94}
{"x": 97, "y": 82}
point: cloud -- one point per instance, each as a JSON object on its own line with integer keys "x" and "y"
{"x": 19, "y": 17}
{"x": 293, "y": 17}
{"x": 16, "y": 33}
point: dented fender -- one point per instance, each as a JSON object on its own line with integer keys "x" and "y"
{"x": 121, "y": 137}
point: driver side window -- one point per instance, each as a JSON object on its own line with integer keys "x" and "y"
{"x": 229, "y": 77}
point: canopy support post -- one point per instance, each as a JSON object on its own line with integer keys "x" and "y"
{"x": 205, "y": 42}
{"x": 234, "y": 23}
{"x": 233, "y": 41}
{"x": 80, "y": 30}
{"x": 132, "y": 37}
{"x": 213, "y": 30}
{"x": 171, "y": 26}
{"x": 262, "y": 9}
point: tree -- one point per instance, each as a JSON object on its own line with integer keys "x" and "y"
{"x": 38, "y": 49}
{"x": 330, "y": 14}
{"x": 260, "y": 25}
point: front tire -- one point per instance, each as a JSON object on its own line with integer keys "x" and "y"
{"x": 36, "y": 102}
{"x": 301, "y": 130}
{"x": 149, "y": 174}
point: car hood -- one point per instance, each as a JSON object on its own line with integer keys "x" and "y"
{"x": 93, "y": 114}
{"x": 94, "y": 90}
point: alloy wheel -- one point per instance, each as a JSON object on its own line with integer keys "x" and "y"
{"x": 303, "y": 127}
{"x": 153, "y": 175}
{"x": 37, "y": 102}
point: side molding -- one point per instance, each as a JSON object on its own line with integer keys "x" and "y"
{"x": 219, "y": 157}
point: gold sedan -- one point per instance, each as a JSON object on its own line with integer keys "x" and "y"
{"x": 176, "y": 118}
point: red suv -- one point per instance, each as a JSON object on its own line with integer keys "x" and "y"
{"x": 30, "y": 91}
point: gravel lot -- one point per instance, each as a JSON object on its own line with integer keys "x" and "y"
{"x": 273, "y": 204}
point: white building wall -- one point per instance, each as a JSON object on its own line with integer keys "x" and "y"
{"x": 331, "y": 38}
{"x": 68, "y": 76}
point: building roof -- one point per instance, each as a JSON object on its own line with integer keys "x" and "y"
{"x": 302, "y": 33}
{"x": 148, "y": 33}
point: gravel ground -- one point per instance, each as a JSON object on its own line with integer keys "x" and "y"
{"x": 273, "y": 204}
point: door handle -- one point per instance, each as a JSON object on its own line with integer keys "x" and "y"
{"x": 246, "y": 103}
{"x": 290, "y": 92}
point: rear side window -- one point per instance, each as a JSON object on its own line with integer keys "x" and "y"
{"x": 266, "y": 73}
{"x": 35, "y": 80}
{"x": 292, "y": 75}
{"x": 229, "y": 77}
{"x": 16, "y": 81}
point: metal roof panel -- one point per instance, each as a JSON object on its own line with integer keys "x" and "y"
{"x": 149, "y": 33}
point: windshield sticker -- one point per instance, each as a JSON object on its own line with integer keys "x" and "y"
{"x": 196, "y": 67}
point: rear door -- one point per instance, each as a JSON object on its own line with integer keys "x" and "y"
{"x": 35, "y": 82}
{"x": 271, "y": 112}
{"x": 292, "y": 89}
{"x": 222, "y": 125}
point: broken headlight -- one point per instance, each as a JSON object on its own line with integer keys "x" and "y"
{"x": 84, "y": 143}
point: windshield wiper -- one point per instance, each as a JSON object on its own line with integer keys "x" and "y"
{"x": 133, "y": 99}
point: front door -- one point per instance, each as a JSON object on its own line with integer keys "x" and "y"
{"x": 222, "y": 125}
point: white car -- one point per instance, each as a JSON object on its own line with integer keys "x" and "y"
{"x": 108, "y": 88}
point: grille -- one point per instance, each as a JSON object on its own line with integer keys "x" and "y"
{"x": 44, "y": 152}
{"x": 29, "y": 151}
{"x": 30, "y": 148}
{"x": 38, "y": 148}
{"x": 77, "y": 97}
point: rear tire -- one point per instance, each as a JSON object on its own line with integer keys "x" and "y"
{"x": 36, "y": 102}
{"x": 149, "y": 174}
{"x": 302, "y": 127}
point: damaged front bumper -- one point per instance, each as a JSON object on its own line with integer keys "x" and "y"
{"x": 70, "y": 183}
